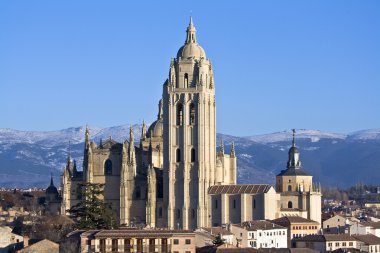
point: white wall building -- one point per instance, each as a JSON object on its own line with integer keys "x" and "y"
{"x": 259, "y": 234}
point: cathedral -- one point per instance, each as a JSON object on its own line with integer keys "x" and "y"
{"x": 175, "y": 177}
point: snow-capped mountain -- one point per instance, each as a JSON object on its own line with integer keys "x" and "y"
{"x": 28, "y": 157}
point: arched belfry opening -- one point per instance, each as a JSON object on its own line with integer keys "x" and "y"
{"x": 108, "y": 167}
{"x": 186, "y": 80}
{"x": 192, "y": 114}
{"x": 179, "y": 114}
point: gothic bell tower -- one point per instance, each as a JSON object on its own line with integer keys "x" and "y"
{"x": 189, "y": 136}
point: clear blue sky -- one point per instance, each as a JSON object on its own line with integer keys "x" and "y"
{"x": 278, "y": 64}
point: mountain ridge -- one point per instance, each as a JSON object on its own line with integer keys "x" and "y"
{"x": 332, "y": 158}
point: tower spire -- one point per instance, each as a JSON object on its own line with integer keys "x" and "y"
{"x": 222, "y": 147}
{"x": 191, "y": 37}
{"x": 232, "y": 150}
{"x": 51, "y": 179}
{"x": 294, "y": 138}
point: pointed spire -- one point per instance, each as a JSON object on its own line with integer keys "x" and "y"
{"x": 143, "y": 130}
{"x": 131, "y": 135}
{"x": 101, "y": 143}
{"x": 232, "y": 150}
{"x": 294, "y": 138}
{"x": 51, "y": 179}
{"x": 87, "y": 134}
{"x": 191, "y": 37}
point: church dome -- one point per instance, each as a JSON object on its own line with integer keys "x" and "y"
{"x": 293, "y": 150}
{"x": 156, "y": 129}
{"x": 191, "y": 48}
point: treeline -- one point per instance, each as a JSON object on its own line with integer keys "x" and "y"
{"x": 359, "y": 192}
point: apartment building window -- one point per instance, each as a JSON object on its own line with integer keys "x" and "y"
{"x": 188, "y": 241}
{"x": 139, "y": 245}
{"x": 152, "y": 243}
{"x": 176, "y": 241}
{"x": 337, "y": 244}
{"x": 102, "y": 245}
{"x": 344, "y": 244}
{"x": 329, "y": 244}
{"x": 127, "y": 245}
{"x": 351, "y": 243}
{"x": 114, "y": 244}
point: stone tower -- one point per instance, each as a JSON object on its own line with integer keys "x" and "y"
{"x": 299, "y": 195}
{"x": 189, "y": 135}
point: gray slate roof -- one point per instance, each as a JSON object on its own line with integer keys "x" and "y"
{"x": 239, "y": 189}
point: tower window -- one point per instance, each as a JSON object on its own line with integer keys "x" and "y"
{"x": 192, "y": 155}
{"x": 234, "y": 203}
{"x": 178, "y": 155}
{"x": 178, "y": 214}
{"x": 186, "y": 80}
{"x": 254, "y": 203}
{"x": 179, "y": 114}
{"x": 108, "y": 167}
{"x": 193, "y": 213}
{"x": 290, "y": 204}
{"x": 289, "y": 188}
{"x": 160, "y": 212}
{"x": 216, "y": 204}
{"x": 192, "y": 114}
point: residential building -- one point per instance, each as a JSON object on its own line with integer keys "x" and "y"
{"x": 334, "y": 225}
{"x": 298, "y": 227}
{"x": 368, "y": 243}
{"x": 138, "y": 240}
{"x": 326, "y": 243}
{"x": 259, "y": 234}
{"x": 9, "y": 240}
{"x": 43, "y": 246}
{"x": 206, "y": 236}
{"x": 367, "y": 227}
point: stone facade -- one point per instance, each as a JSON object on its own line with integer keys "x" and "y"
{"x": 175, "y": 177}
{"x": 163, "y": 182}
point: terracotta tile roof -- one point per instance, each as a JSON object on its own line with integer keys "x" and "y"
{"x": 371, "y": 224}
{"x": 127, "y": 233}
{"x": 368, "y": 239}
{"x": 239, "y": 189}
{"x": 259, "y": 225}
{"x": 326, "y": 238}
{"x": 292, "y": 219}
{"x": 217, "y": 230}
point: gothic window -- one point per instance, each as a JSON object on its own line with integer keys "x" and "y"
{"x": 193, "y": 213}
{"x": 234, "y": 203}
{"x": 179, "y": 114}
{"x": 178, "y": 214}
{"x": 216, "y": 204}
{"x": 108, "y": 167}
{"x": 186, "y": 80}
{"x": 192, "y": 155}
{"x": 138, "y": 192}
{"x": 178, "y": 155}
{"x": 290, "y": 204}
{"x": 192, "y": 114}
{"x": 254, "y": 203}
{"x": 160, "y": 212}
{"x": 289, "y": 188}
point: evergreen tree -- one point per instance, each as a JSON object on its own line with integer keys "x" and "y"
{"x": 91, "y": 212}
{"x": 218, "y": 240}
